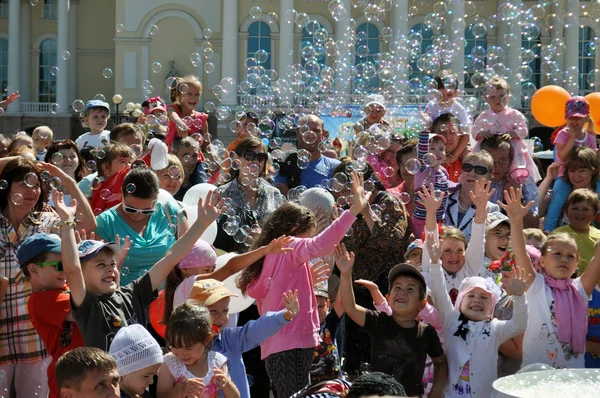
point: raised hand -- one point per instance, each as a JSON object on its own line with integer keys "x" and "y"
{"x": 343, "y": 259}
{"x": 371, "y": 286}
{"x": 552, "y": 171}
{"x": 482, "y": 193}
{"x": 277, "y": 246}
{"x": 430, "y": 199}
{"x": 291, "y": 304}
{"x": 513, "y": 207}
{"x": 124, "y": 248}
{"x": 516, "y": 285}
{"x": 220, "y": 378}
{"x": 361, "y": 198}
{"x": 65, "y": 212}
{"x": 81, "y": 235}
{"x": 321, "y": 220}
{"x": 12, "y": 97}
{"x": 211, "y": 208}
{"x": 54, "y": 170}
{"x": 435, "y": 250}
{"x": 319, "y": 272}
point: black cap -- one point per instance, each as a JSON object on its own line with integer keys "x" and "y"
{"x": 406, "y": 269}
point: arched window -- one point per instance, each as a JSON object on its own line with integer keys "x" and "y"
{"x": 475, "y": 52}
{"x": 259, "y": 38}
{"x": 3, "y": 68}
{"x": 368, "y": 37}
{"x": 47, "y": 81}
{"x": 587, "y": 59}
{"x": 426, "y": 43}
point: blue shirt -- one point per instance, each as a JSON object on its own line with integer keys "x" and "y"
{"x": 232, "y": 342}
{"x": 593, "y": 333}
{"x": 317, "y": 171}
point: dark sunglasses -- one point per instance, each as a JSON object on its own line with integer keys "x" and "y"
{"x": 133, "y": 210}
{"x": 481, "y": 170}
{"x": 251, "y": 155}
{"x": 56, "y": 264}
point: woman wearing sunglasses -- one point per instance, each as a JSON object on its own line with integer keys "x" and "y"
{"x": 460, "y": 210}
{"x": 253, "y": 199}
{"x": 152, "y": 227}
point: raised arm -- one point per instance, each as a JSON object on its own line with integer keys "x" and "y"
{"x": 515, "y": 326}
{"x": 69, "y": 254}
{"x": 563, "y": 150}
{"x": 344, "y": 262}
{"x": 543, "y": 202}
{"x": 475, "y": 249}
{"x": 591, "y": 275}
{"x": 441, "y": 299}
{"x": 208, "y": 211}
{"x": 516, "y": 212}
{"x": 432, "y": 202}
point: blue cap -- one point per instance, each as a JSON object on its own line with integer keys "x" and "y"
{"x": 96, "y": 104}
{"x": 38, "y": 244}
{"x": 88, "y": 249}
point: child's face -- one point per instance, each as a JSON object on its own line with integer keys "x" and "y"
{"x": 101, "y": 274}
{"x": 188, "y": 156}
{"x": 580, "y": 215}
{"x": 190, "y": 100}
{"x": 137, "y": 382}
{"x": 497, "y": 99}
{"x": 134, "y": 141}
{"x": 415, "y": 257}
{"x": 560, "y": 260}
{"x": 47, "y": 276}
{"x": 453, "y": 255}
{"x": 70, "y": 161}
{"x": 576, "y": 123}
{"x": 497, "y": 241}
{"x": 189, "y": 355}
{"x": 97, "y": 120}
{"x": 447, "y": 95}
{"x": 477, "y": 305}
{"x": 169, "y": 183}
{"x": 40, "y": 143}
{"x": 118, "y": 164}
{"x": 219, "y": 313}
{"x": 197, "y": 271}
{"x": 438, "y": 149}
{"x": 450, "y": 132}
{"x": 404, "y": 296}
{"x": 24, "y": 141}
{"x": 97, "y": 384}
{"x": 322, "y": 308}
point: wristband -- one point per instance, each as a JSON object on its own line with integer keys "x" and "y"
{"x": 72, "y": 223}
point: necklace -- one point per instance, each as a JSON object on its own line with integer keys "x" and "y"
{"x": 464, "y": 209}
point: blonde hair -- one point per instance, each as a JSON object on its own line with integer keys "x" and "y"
{"x": 583, "y": 195}
{"x": 45, "y": 129}
{"x": 189, "y": 80}
{"x": 562, "y": 236}
{"x": 111, "y": 152}
{"x": 453, "y": 233}
{"x": 482, "y": 156}
{"x": 498, "y": 83}
{"x": 535, "y": 233}
{"x": 173, "y": 161}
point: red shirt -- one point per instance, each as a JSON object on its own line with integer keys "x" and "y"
{"x": 48, "y": 309}
{"x": 199, "y": 123}
{"x": 109, "y": 193}
{"x": 454, "y": 169}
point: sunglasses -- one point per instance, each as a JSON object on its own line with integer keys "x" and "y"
{"x": 481, "y": 170}
{"x": 56, "y": 264}
{"x": 251, "y": 155}
{"x": 133, "y": 210}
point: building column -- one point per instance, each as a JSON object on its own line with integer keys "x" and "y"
{"x": 230, "y": 49}
{"x": 25, "y": 86}
{"x": 73, "y": 44}
{"x": 513, "y": 59}
{"x": 62, "y": 78}
{"x": 286, "y": 37}
{"x": 457, "y": 40}
{"x": 501, "y": 32}
{"x": 14, "y": 48}
{"x": 343, "y": 85}
{"x": 572, "y": 45}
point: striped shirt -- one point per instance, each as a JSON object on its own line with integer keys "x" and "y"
{"x": 19, "y": 341}
{"x": 428, "y": 175}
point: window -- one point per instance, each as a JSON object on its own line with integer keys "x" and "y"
{"x": 47, "y": 82}
{"x": 259, "y": 38}
{"x": 50, "y": 9}
{"x": 530, "y": 57}
{"x": 3, "y": 8}
{"x": 426, "y": 40}
{"x": 3, "y": 68}
{"x": 367, "y": 38}
{"x": 587, "y": 59}
{"x": 475, "y": 52}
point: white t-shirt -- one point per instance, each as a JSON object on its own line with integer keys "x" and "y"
{"x": 541, "y": 344}
{"x": 93, "y": 140}
{"x": 462, "y": 388}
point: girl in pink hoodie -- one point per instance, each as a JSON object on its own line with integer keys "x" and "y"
{"x": 288, "y": 354}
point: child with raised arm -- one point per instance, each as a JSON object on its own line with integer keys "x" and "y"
{"x": 473, "y": 336}
{"x": 557, "y": 325}
{"x": 100, "y": 305}
{"x": 399, "y": 343}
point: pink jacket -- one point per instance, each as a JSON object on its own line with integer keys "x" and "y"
{"x": 290, "y": 271}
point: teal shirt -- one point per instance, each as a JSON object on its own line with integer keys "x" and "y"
{"x": 145, "y": 250}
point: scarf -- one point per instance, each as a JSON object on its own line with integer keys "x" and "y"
{"x": 571, "y": 313}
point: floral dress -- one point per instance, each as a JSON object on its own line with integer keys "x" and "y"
{"x": 180, "y": 372}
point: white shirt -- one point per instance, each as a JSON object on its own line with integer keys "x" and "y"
{"x": 93, "y": 140}
{"x": 434, "y": 109}
{"x": 541, "y": 344}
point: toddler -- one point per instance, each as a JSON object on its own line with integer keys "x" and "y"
{"x": 42, "y": 138}
{"x": 184, "y": 120}
{"x": 95, "y": 117}
{"x": 447, "y": 86}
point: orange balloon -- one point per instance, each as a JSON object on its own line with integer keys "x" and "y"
{"x": 594, "y": 100}
{"x": 548, "y": 105}
{"x": 157, "y": 308}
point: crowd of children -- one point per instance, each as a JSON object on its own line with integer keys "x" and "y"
{"x": 498, "y": 276}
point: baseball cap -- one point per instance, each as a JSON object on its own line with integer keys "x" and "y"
{"x": 96, "y": 104}
{"x": 88, "y": 249}
{"x": 38, "y": 244}
{"x": 577, "y": 107}
{"x": 154, "y": 104}
{"x": 415, "y": 244}
{"x": 209, "y": 291}
{"x": 321, "y": 290}
{"x": 374, "y": 99}
{"x": 494, "y": 219}
{"x": 404, "y": 269}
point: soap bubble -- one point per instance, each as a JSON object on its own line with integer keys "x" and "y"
{"x": 54, "y": 70}
{"x": 184, "y": 88}
{"x": 33, "y": 2}
{"x": 207, "y": 33}
{"x": 100, "y": 97}
{"x": 107, "y": 73}
{"x": 156, "y": 67}
{"x": 412, "y": 166}
{"x": 45, "y": 176}
{"x": 54, "y": 108}
{"x": 100, "y": 154}
{"x": 17, "y": 199}
{"x": 125, "y": 271}
{"x": 3, "y": 184}
{"x": 130, "y": 188}
{"x": 255, "y": 12}
{"x": 120, "y": 27}
{"x": 196, "y": 60}
{"x": 95, "y": 183}
{"x": 57, "y": 158}
{"x": 78, "y": 106}
{"x": 105, "y": 194}
{"x": 91, "y": 165}
{"x": 365, "y": 368}
{"x": 31, "y": 179}
{"x": 55, "y": 183}
{"x": 209, "y": 67}
{"x": 153, "y": 30}
{"x": 404, "y": 198}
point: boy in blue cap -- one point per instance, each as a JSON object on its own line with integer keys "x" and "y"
{"x": 95, "y": 117}
{"x": 49, "y": 308}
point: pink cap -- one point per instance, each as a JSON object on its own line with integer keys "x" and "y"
{"x": 202, "y": 254}
{"x": 577, "y": 107}
{"x": 474, "y": 282}
{"x": 154, "y": 104}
